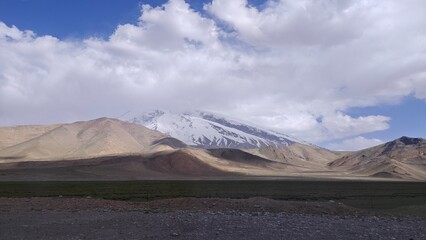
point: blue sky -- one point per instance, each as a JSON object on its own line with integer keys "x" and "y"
{"x": 378, "y": 102}
{"x": 78, "y": 18}
{"x": 408, "y": 118}
{"x": 68, "y": 18}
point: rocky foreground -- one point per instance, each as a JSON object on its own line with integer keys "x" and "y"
{"x": 256, "y": 218}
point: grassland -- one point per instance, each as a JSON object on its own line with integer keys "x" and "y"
{"x": 361, "y": 194}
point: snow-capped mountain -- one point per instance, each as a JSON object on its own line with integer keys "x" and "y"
{"x": 211, "y": 130}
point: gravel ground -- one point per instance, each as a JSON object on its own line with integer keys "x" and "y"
{"x": 55, "y": 218}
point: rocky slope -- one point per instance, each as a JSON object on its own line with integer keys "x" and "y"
{"x": 402, "y": 158}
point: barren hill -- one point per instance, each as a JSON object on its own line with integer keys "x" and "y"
{"x": 402, "y": 158}
{"x": 10, "y": 136}
{"x": 301, "y": 155}
{"x": 77, "y": 140}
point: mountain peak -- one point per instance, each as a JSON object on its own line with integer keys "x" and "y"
{"x": 211, "y": 130}
{"x": 410, "y": 141}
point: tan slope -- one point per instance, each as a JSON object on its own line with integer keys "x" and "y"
{"x": 402, "y": 158}
{"x": 168, "y": 163}
{"x": 181, "y": 162}
{"x": 297, "y": 154}
{"x": 83, "y": 140}
{"x": 174, "y": 164}
{"x": 10, "y": 136}
{"x": 244, "y": 163}
{"x": 165, "y": 164}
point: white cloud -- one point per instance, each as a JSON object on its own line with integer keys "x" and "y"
{"x": 356, "y": 143}
{"x": 13, "y": 33}
{"x": 176, "y": 21}
{"x": 283, "y": 23}
{"x": 341, "y": 125}
{"x": 419, "y": 80}
{"x": 297, "y": 66}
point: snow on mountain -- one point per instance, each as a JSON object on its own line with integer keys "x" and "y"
{"x": 211, "y": 130}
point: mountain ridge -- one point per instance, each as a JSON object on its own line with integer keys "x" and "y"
{"x": 403, "y": 158}
{"x": 113, "y": 149}
{"x": 210, "y": 130}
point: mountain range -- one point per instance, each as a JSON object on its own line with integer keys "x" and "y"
{"x": 198, "y": 145}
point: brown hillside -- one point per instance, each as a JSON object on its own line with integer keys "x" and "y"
{"x": 402, "y": 158}
{"x": 80, "y": 140}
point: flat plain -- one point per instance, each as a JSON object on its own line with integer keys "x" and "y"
{"x": 213, "y": 209}
{"x": 361, "y": 194}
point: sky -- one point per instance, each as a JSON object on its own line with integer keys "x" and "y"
{"x": 344, "y": 74}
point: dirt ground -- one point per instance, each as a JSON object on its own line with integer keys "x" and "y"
{"x": 208, "y": 218}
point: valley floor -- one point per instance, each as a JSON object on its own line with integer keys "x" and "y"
{"x": 203, "y": 218}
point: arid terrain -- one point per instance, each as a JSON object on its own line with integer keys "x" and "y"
{"x": 109, "y": 179}
{"x": 213, "y": 119}
{"x": 110, "y": 149}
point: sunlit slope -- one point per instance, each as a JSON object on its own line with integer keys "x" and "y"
{"x": 80, "y": 140}
{"x": 402, "y": 158}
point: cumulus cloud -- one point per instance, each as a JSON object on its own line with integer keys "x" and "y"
{"x": 283, "y": 23}
{"x": 294, "y": 66}
{"x": 356, "y": 143}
